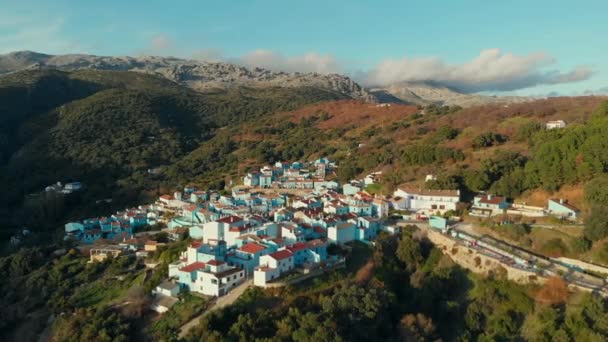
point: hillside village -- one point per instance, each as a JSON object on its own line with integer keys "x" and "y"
{"x": 284, "y": 222}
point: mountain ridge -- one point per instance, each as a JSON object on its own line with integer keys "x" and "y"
{"x": 205, "y": 75}
{"x": 426, "y": 93}
{"x": 198, "y": 75}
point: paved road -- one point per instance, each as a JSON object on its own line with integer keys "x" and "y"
{"x": 219, "y": 303}
{"x": 553, "y": 268}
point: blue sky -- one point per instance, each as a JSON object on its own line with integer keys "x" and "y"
{"x": 521, "y": 47}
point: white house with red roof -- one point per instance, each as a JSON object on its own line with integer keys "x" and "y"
{"x": 486, "y": 205}
{"x": 202, "y": 269}
{"x": 427, "y": 201}
{"x": 248, "y": 255}
{"x": 272, "y": 266}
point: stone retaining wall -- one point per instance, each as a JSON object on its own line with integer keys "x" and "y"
{"x": 476, "y": 262}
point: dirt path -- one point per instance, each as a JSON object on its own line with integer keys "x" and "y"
{"x": 219, "y": 303}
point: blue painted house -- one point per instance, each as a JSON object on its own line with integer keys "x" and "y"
{"x": 438, "y": 222}
{"x": 561, "y": 208}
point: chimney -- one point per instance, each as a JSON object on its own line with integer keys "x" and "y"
{"x": 490, "y": 196}
{"x": 561, "y": 201}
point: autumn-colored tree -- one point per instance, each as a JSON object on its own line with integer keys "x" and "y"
{"x": 416, "y": 327}
{"x": 554, "y": 291}
{"x": 365, "y": 273}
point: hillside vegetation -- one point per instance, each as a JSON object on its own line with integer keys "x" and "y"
{"x": 108, "y": 129}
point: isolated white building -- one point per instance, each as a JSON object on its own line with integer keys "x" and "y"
{"x": 426, "y": 201}
{"x": 555, "y": 124}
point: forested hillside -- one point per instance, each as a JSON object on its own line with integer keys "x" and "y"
{"x": 109, "y": 129}
{"x": 403, "y": 289}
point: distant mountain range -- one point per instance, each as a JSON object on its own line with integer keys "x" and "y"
{"x": 425, "y": 93}
{"x": 202, "y": 76}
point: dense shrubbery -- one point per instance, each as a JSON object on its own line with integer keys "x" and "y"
{"x": 429, "y": 154}
{"x": 488, "y": 139}
{"x": 419, "y": 295}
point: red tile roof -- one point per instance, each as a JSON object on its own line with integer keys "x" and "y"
{"x": 282, "y": 254}
{"x": 297, "y": 247}
{"x": 316, "y": 243}
{"x": 230, "y": 219}
{"x": 252, "y": 248}
{"x": 166, "y": 197}
{"x": 193, "y": 267}
{"x": 319, "y": 230}
{"x": 493, "y": 200}
{"x": 196, "y": 244}
{"x": 215, "y": 262}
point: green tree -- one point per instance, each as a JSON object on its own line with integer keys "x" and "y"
{"x": 596, "y": 225}
{"x": 409, "y": 251}
{"x": 596, "y": 191}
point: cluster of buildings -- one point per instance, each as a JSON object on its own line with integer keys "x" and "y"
{"x": 487, "y": 205}
{"x": 117, "y": 227}
{"x": 65, "y": 189}
{"x": 263, "y": 236}
{"x": 261, "y": 233}
{"x": 232, "y": 248}
{"x": 297, "y": 175}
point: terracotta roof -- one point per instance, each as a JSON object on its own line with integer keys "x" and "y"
{"x": 151, "y": 243}
{"x": 166, "y": 197}
{"x": 230, "y": 219}
{"x": 428, "y": 192}
{"x": 215, "y": 262}
{"x": 252, "y": 248}
{"x": 193, "y": 267}
{"x": 316, "y": 243}
{"x": 297, "y": 247}
{"x": 277, "y": 240}
{"x": 282, "y": 254}
{"x": 493, "y": 200}
{"x": 319, "y": 230}
{"x": 344, "y": 225}
{"x": 196, "y": 244}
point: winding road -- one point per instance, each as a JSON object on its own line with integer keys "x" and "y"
{"x": 219, "y": 303}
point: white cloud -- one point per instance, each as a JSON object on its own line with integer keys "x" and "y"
{"x": 601, "y": 91}
{"x": 492, "y": 70}
{"x": 34, "y": 33}
{"x": 161, "y": 42}
{"x": 308, "y": 62}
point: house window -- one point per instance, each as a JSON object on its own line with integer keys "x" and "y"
{"x": 434, "y": 206}
{"x": 214, "y": 281}
{"x": 442, "y": 207}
